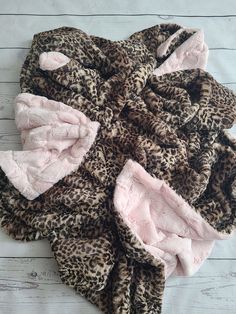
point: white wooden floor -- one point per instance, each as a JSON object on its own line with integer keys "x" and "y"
{"x": 28, "y": 274}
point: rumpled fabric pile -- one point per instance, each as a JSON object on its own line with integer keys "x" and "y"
{"x": 127, "y": 167}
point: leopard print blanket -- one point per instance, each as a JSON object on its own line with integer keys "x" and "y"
{"x": 173, "y": 125}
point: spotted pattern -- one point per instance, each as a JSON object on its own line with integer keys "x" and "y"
{"x": 173, "y": 125}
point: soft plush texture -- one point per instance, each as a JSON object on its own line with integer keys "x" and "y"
{"x": 52, "y": 60}
{"x": 191, "y": 54}
{"x": 55, "y": 138}
{"x": 163, "y": 221}
{"x": 168, "y": 47}
{"x": 173, "y": 125}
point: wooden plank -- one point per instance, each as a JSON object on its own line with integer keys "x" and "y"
{"x": 221, "y": 64}
{"x": 8, "y": 93}
{"x": 10, "y": 64}
{"x": 200, "y": 7}
{"x": 113, "y": 27}
{"x": 29, "y": 285}
{"x": 32, "y": 285}
{"x": 224, "y": 248}
{"x": 9, "y": 136}
{"x": 211, "y": 290}
{"x": 13, "y": 248}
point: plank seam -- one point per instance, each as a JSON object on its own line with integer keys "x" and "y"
{"x": 163, "y": 16}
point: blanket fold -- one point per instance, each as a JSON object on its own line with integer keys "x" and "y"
{"x": 55, "y": 138}
{"x": 191, "y": 54}
{"x": 163, "y": 221}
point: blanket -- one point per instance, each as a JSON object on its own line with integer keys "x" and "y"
{"x": 161, "y": 154}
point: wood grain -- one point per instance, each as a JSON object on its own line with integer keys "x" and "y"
{"x": 13, "y": 248}
{"x": 33, "y": 284}
{"x": 211, "y": 290}
{"x": 9, "y": 136}
{"x": 22, "y": 28}
{"x": 222, "y": 59}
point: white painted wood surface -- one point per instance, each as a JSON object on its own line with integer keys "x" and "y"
{"x": 29, "y": 282}
{"x": 36, "y": 286}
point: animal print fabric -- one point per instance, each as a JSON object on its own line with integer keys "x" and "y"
{"x": 173, "y": 125}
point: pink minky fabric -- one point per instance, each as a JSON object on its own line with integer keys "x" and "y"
{"x": 55, "y": 138}
{"x": 166, "y": 225}
{"x": 192, "y": 54}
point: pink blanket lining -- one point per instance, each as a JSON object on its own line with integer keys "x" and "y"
{"x": 192, "y": 54}
{"x": 55, "y": 138}
{"x": 163, "y": 221}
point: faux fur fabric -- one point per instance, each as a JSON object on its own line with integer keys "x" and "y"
{"x": 191, "y": 54}
{"x": 168, "y": 47}
{"x": 173, "y": 125}
{"x": 55, "y": 138}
